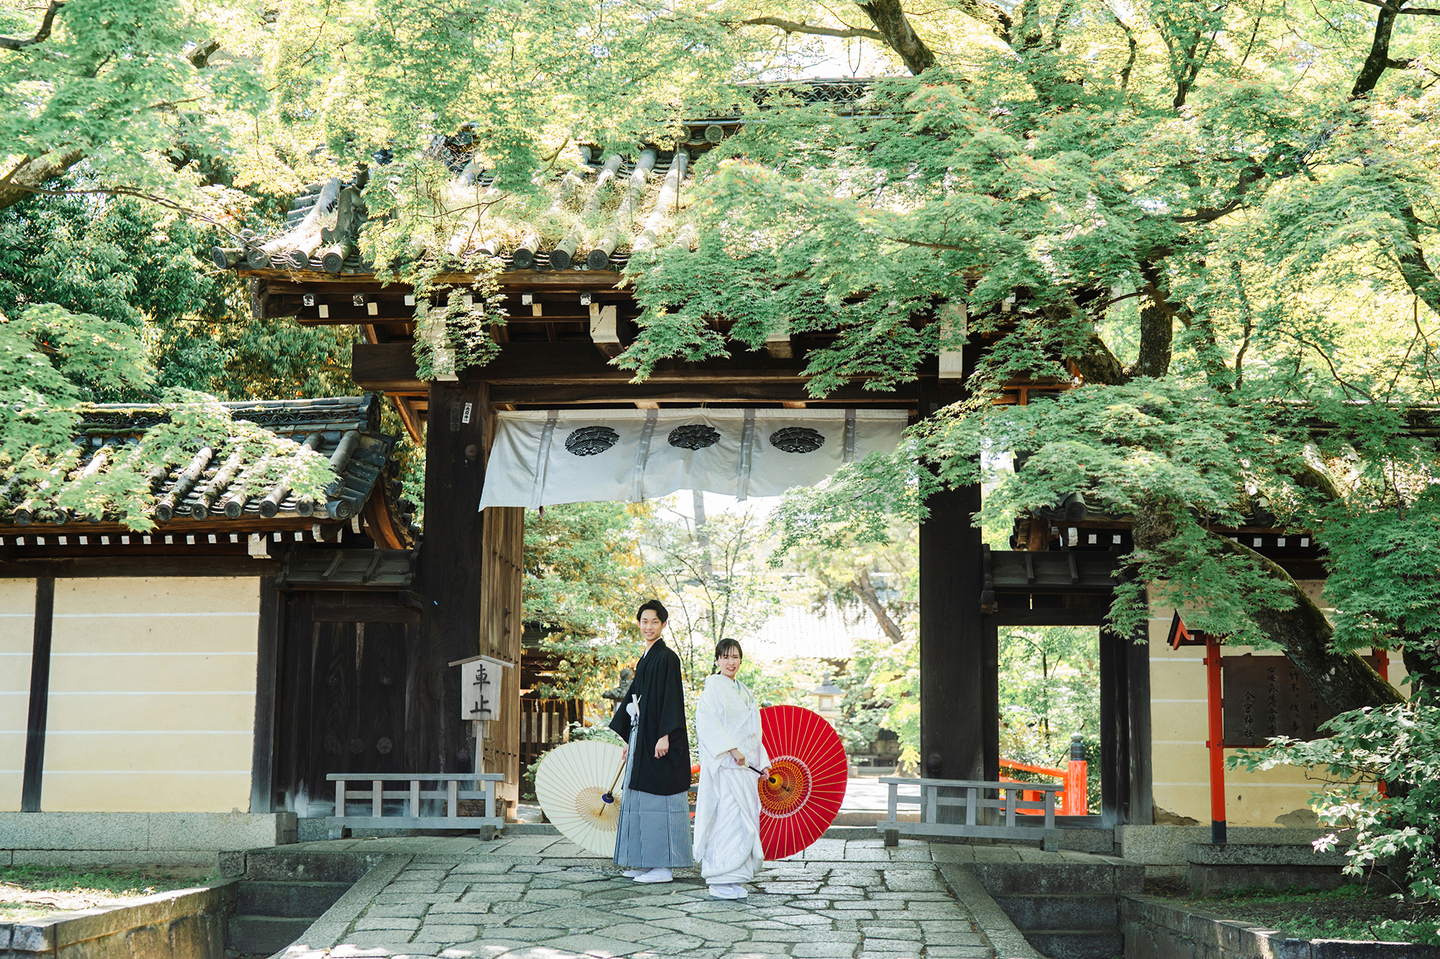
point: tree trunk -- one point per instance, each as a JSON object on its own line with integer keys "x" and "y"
{"x": 889, "y": 18}
{"x": 1343, "y": 681}
{"x": 29, "y": 175}
{"x": 866, "y": 591}
{"x": 1157, "y": 326}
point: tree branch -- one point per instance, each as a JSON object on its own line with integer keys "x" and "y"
{"x": 169, "y": 204}
{"x": 26, "y": 176}
{"x": 1249, "y": 313}
{"x": 1000, "y": 22}
{"x": 1091, "y": 356}
{"x": 865, "y": 589}
{"x": 1343, "y": 681}
{"x": 1416, "y": 270}
{"x": 793, "y": 26}
{"x": 200, "y": 57}
{"x": 1129, "y": 66}
{"x": 41, "y": 35}
{"x": 1250, "y": 175}
{"x": 889, "y": 18}
{"x": 1379, "y": 59}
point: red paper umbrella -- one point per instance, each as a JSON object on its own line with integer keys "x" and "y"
{"x": 802, "y": 795}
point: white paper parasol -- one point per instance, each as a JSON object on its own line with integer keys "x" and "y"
{"x": 572, "y": 783}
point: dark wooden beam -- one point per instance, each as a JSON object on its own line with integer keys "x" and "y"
{"x": 1137, "y": 674}
{"x": 1114, "y": 730}
{"x": 1050, "y": 617}
{"x": 390, "y": 368}
{"x": 558, "y": 281}
{"x": 1057, "y": 571}
{"x": 130, "y": 565}
{"x": 959, "y": 725}
{"x": 959, "y": 645}
{"x": 39, "y": 695}
{"x": 355, "y": 613}
{"x": 792, "y": 392}
{"x": 262, "y": 758}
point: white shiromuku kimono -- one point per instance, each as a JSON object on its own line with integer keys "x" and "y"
{"x": 727, "y": 806}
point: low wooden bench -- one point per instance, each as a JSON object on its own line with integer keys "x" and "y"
{"x": 974, "y": 796}
{"x": 482, "y": 786}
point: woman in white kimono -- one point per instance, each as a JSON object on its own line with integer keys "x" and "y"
{"x": 727, "y": 806}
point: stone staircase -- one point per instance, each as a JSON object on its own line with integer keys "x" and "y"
{"x": 1067, "y": 909}
{"x": 280, "y": 895}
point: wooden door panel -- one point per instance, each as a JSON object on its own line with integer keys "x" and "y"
{"x": 341, "y": 696}
{"x": 502, "y": 622}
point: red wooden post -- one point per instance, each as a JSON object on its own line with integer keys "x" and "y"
{"x": 1076, "y": 779}
{"x": 1216, "y": 743}
{"x": 1382, "y": 664}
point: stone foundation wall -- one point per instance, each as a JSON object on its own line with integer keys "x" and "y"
{"x": 168, "y": 839}
{"x": 1155, "y": 929}
{"x": 1161, "y": 849}
{"x": 185, "y": 924}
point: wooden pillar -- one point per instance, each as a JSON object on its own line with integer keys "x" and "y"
{"x": 39, "y": 695}
{"x": 502, "y": 623}
{"x": 959, "y": 680}
{"x": 262, "y": 759}
{"x": 1114, "y": 731}
{"x": 437, "y": 739}
{"x": 1137, "y": 672}
{"x": 1125, "y": 761}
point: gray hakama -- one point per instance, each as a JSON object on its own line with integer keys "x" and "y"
{"x": 653, "y": 831}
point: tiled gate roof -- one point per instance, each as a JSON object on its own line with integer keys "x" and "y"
{"x": 209, "y": 490}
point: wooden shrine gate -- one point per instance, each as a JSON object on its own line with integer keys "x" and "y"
{"x": 562, "y": 327}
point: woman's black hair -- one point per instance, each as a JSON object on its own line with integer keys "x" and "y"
{"x": 655, "y": 606}
{"x": 724, "y": 646}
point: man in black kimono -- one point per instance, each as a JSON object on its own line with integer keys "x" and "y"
{"x": 654, "y": 829}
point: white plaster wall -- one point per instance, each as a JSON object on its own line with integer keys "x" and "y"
{"x": 17, "y": 637}
{"x": 152, "y": 695}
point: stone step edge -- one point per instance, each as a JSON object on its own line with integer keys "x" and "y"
{"x": 1006, "y": 939}
{"x": 1052, "y": 895}
{"x": 296, "y": 882}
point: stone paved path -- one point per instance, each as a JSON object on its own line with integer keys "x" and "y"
{"x": 540, "y": 897}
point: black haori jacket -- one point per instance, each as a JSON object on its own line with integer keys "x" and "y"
{"x": 662, "y": 712}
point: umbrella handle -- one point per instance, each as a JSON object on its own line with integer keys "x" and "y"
{"x": 609, "y": 795}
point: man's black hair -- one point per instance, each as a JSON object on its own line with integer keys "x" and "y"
{"x": 657, "y": 607}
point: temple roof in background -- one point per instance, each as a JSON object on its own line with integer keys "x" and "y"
{"x": 204, "y": 500}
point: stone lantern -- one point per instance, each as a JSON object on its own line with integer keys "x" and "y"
{"x": 827, "y": 699}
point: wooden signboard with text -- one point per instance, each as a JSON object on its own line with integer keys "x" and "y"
{"x": 1267, "y": 696}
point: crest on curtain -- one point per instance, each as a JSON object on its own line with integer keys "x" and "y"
{"x": 540, "y": 458}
